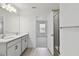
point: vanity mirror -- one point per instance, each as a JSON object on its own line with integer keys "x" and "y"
{"x": 9, "y": 20}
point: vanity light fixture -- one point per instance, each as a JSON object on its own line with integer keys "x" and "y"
{"x": 8, "y": 7}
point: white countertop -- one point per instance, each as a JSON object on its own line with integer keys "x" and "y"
{"x": 12, "y": 37}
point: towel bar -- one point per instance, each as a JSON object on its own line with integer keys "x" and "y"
{"x": 69, "y": 27}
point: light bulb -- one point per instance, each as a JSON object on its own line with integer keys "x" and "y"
{"x": 3, "y": 6}
{"x": 14, "y": 10}
{"x": 9, "y": 8}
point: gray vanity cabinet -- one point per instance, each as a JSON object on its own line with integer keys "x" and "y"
{"x": 14, "y": 48}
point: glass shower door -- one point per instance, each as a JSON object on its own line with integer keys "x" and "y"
{"x": 56, "y": 33}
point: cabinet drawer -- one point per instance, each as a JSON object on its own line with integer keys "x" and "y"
{"x": 13, "y": 42}
{"x": 14, "y": 50}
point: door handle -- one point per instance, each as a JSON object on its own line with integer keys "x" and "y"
{"x": 25, "y": 40}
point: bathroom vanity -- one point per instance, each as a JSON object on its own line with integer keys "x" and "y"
{"x": 11, "y": 42}
{"x": 13, "y": 45}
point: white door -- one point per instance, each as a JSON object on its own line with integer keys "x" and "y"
{"x": 41, "y": 33}
{"x": 50, "y": 33}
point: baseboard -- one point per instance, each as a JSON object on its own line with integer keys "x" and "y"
{"x": 23, "y": 52}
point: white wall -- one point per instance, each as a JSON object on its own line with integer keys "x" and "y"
{"x": 27, "y": 25}
{"x": 69, "y": 37}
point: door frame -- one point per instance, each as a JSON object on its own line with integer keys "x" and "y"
{"x": 56, "y": 52}
{"x": 36, "y": 30}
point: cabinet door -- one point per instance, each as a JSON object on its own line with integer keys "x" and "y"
{"x": 23, "y": 43}
{"x": 2, "y": 49}
{"x": 18, "y": 49}
{"x": 15, "y": 50}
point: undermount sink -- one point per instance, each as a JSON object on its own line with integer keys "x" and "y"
{"x": 7, "y": 37}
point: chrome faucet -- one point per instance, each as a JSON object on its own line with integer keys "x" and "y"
{"x": 3, "y": 36}
{"x": 17, "y": 33}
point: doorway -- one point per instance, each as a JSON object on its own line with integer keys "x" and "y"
{"x": 41, "y": 33}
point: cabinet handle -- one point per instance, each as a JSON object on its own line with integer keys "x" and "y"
{"x": 25, "y": 40}
{"x": 16, "y": 47}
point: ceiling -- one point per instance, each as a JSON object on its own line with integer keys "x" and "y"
{"x": 41, "y": 8}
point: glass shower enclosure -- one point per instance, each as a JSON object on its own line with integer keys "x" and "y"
{"x": 56, "y": 33}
